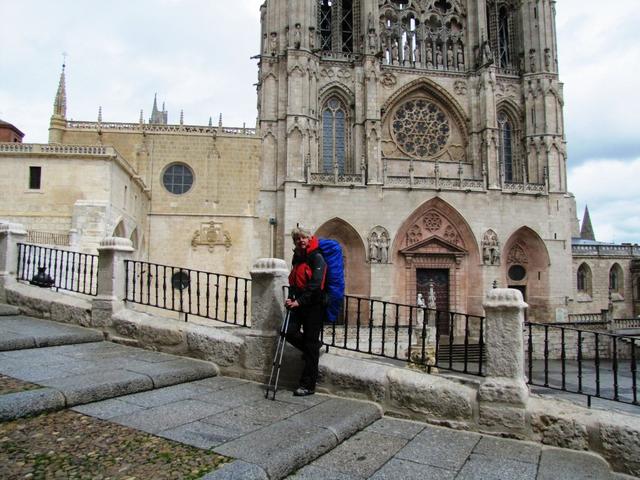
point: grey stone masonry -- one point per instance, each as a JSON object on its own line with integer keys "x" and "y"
{"x": 10, "y": 235}
{"x": 503, "y": 394}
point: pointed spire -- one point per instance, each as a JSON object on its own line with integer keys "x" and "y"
{"x": 100, "y": 114}
{"x": 141, "y": 117}
{"x": 210, "y": 122}
{"x": 220, "y": 120}
{"x": 181, "y": 117}
{"x": 586, "y": 232}
{"x": 60, "y": 102}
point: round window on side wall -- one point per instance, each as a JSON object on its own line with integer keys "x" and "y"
{"x": 517, "y": 273}
{"x": 177, "y": 178}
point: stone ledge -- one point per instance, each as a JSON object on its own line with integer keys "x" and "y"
{"x": 30, "y": 402}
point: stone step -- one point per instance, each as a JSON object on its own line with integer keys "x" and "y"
{"x": 76, "y": 374}
{"x": 8, "y": 310}
{"x": 19, "y": 332}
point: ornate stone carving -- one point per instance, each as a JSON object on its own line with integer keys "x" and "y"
{"x": 518, "y": 255}
{"x": 388, "y": 80}
{"x": 211, "y": 234}
{"x": 450, "y": 235}
{"x": 490, "y": 248}
{"x": 420, "y": 128}
{"x": 414, "y": 235}
{"x": 379, "y": 241}
{"x": 432, "y": 221}
{"x": 460, "y": 87}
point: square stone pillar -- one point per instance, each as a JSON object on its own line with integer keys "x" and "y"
{"x": 503, "y": 394}
{"x": 10, "y": 235}
{"x": 112, "y": 252}
{"x": 269, "y": 276}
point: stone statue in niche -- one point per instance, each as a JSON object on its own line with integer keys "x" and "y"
{"x": 487, "y": 56}
{"x": 532, "y": 60}
{"x": 312, "y": 38}
{"x": 439, "y": 56}
{"x": 547, "y": 58}
{"x": 297, "y": 37}
{"x": 394, "y": 52}
{"x": 429, "y": 56}
{"x": 460, "y": 59}
{"x": 373, "y": 41}
{"x": 406, "y": 53}
{"x": 378, "y": 245}
{"x": 431, "y": 297}
{"x": 273, "y": 43}
{"x": 450, "y": 64}
{"x": 490, "y": 248}
{"x": 265, "y": 44}
{"x": 417, "y": 55}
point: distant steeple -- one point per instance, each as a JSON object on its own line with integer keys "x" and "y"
{"x": 100, "y": 114}
{"x": 586, "y": 232}
{"x": 159, "y": 117}
{"x": 60, "y": 102}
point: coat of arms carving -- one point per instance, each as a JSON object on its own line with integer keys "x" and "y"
{"x": 211, "y": 234}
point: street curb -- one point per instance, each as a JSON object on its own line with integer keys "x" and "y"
{"x": 8, "y": 310}
{"x": 235, "y": 470}
{"x": 30, "y": 402}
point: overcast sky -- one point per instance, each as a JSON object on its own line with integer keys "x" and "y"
{"x": 196, "y": 55}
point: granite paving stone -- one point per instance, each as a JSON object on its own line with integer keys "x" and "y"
{"x": 440, "y": 447}
{"x": 316, "y": 473}
{"x": 362, "y": 454}
{"x": 280, "y": 448}
{"x": 495, "y": 468}
{"x": 398, "y": 428}
{"x": 164, "y": 395}
{"x": 237, "y": 470}
{"x": 30, "y": 402}
{"x": 91, "y": 387}
{"x": 571, "y": 465}
{"x": 219, "y": 383}
{"x": 167, "y": 416}
{"x": 253, "y": 416}
{"x": 234, "y": 396}
{"x": 343, "y": 417}
{"x": 175, "y": 371}
{"x": 506, "y": 448}
{"x": 107, "y": 409}
{"x": 202, "y": 435}
{"x": 396, "y": 469}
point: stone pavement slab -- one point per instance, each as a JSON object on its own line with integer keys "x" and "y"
{"x": 18, "y": 332}
{"x": 495, "y": 468}
{"x": 571, "y": 465}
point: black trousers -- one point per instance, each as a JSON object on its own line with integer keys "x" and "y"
{"x": 303, "y": 333}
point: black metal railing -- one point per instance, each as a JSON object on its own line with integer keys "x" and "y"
{"x": 59, "y": 269}
{"x": 423, "y": 337}
{"x": 590, "y": 363}
{"x": 219, "y": 297}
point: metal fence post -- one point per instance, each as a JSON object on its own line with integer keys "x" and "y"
{"x": 10, "y": 235}
{"x": 503, "y": 395}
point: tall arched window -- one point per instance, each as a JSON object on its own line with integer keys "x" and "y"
{"x": 584, "y": 279}
{"x": 615, "y": 279}
{"x": 334, "y": 136}
{"x": 506, "y": 147}
{"x": 503, "y": 38}
{"x": 336, "y": 25}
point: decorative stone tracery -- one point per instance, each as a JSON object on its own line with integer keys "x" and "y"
{"x": 211, "y": 234}
{"x": 518, "y": 255}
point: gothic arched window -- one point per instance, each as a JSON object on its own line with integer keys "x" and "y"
{"x": 615, "y": 279}
{"x": 584, "y": 279}
{"x": 334, "y": 136}
{"x": 336, "y": 25}
{"x": 506, "y": 148}
{"x": 503, "y": 38}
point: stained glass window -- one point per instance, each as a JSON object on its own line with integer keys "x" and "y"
{"x": 178, "y": 178}
{"x": 506, "y": 147}
{"x": 334, "y": 136}
{"x": 420, "y": 128}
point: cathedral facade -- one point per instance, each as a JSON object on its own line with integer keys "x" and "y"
{"x": 426, "y": 136}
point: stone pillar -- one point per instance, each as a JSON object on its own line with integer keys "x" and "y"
{"x": 503, "y": 395}
{"x": 112, "y": 252}
{"x": 10, "y": 235}
{"x": 268, "y": 277}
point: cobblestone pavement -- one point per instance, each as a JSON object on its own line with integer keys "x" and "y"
{"x": 13, "y": 385}
{"x": 69, "y": 445}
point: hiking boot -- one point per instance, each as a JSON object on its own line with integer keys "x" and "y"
{"x": 303, "y": 392}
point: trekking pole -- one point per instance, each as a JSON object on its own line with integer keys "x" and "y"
{"x": 277, "y": 358}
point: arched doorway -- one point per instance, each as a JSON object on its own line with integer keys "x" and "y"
{"x": 527, "y": 269}
{"x": 435, "y": 246}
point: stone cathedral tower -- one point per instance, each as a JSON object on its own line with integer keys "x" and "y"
{"x": 425, "y": 135}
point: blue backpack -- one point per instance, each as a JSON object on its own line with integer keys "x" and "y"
{"x": 334, "y": 281}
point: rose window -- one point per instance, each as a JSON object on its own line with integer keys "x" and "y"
{"x": 432, "y": 222}
{"x": 420, "y": 128}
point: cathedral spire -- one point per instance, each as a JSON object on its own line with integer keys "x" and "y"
{"x": 60, "y": 102}
{"x": 586, "y": 232}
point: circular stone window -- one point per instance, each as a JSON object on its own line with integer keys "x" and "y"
{"x": 420, "y": 128}
{"x": 178, "y": 178}
{"x": 517, "y": 273}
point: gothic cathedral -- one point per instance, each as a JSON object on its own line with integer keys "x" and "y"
{"x": 427, "y": 137}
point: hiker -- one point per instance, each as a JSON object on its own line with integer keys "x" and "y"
{"x": 306, "y": 306}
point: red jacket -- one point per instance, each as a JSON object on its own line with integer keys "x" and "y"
{"x": 306, "y": 280}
